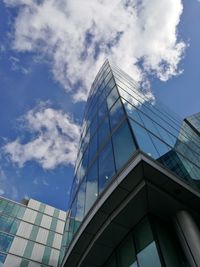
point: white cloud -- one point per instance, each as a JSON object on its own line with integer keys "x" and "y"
{"x": 6, "y": 187}
{"x": 140, "y": 36}
{"x": 54, "y": 142}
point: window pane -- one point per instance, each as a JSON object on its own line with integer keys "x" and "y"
{"x": 103, "y": 132}
{"x": 5, "y": 223}
{"x": 112, "y": 97}
{"x": 148, "y": 257}
{"x": 161, "y": 147}
{"x": 93, "y": 148}
{"x": 144, "y": 141}
{"x": 102, "y": 110}
{"x": 143, "y": 234}
{"x": 20, "y": 213}
{"x": 3, "y": 204}
{"x": 132, "y": 112}
{"x": 14, "y": 226}
{"x": 91, "y": 187}
{"x": 80, "y": 202}
{"x": 2, "y": 259}
{"x": 126, "y": 253}
{"x": 5, "y": 242}
{"x": 106, "y": 166}
{"x": 123, "y": 145}
{"x": 116, "y": 114}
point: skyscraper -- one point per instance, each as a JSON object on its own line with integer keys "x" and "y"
{"x": 135, "y": 198}
{"x": 30, "y": 233}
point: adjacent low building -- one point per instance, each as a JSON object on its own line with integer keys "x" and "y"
{"x": 30, "y": 233}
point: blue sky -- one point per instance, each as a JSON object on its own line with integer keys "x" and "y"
{"x": 50, "y": 51}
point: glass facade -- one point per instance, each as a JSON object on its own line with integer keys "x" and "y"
{"x": 119, "y": 120}
{"x": 147, "y": 246}
{"x": 30, "y": 235}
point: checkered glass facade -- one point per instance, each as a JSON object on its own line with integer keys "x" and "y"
{"x": 30, "y": 235}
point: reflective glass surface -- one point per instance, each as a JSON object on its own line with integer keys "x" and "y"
{"x": 119, "y": 119}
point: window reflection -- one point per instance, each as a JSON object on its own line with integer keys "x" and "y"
{"x": 123, "y": 145}
{"x": 144, "y": 141}
{"x": 112, "y": 97}
{"x": 106, "y": 166}
{"x": 91, "y": 187}
{"x": 103, "y": 132}
{"x": 116, "y": 114}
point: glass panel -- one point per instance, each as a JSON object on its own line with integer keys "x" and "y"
{"x": 93, "y": 148}
{"x": 5, "y": 242}
{"x": 143, "y": 234}
{"x": 80, "y": 202}
{"x": 106, "y": 166}
{"x": 42, "y": 207}
{"x": 126, "y": 254}
{"x": 28, "y": 249}
{"x": 148, "y": 257}
{"x": 50, "y": 238}
{"x": 93, "y": 125}
{"x": 103, "y": 132}
{"x": 132, "y": 112}
{"x": 46, "y": 256}
{"x": 3, "y": 204}
{"x": 109, "y": 86}
{"x": 123, "y": 145}
{"x": 5, "y": 223}
{"x": 53, "y": 224}
{"x": 14, "y": 226}
{"x": 116, "y": 114}
{"x": 112, "y": 97}
{"x": 144, "y": 141}
{"x": 38, "y": 218}
{"x": 2, "y": 258}
{"x": 91, "y": 187}
{"x": 34, "y": 232}
{"x": 21, "y": 211}
{"x": 161, "y": 147}
{"x": 102, "y": 110}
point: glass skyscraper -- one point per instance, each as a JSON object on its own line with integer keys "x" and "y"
{"x": 30, "y": 234}
{"x": 137, "y": 168}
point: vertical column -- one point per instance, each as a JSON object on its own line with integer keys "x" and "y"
{"x": 189, "y": 236}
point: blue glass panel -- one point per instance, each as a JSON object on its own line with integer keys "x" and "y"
{"x": 144, "y": 141}
{"x": 123, "y": 145}
{"x": 5, "y": 223}
{"x": 5, "y": 242}
{"x": 116, "y": 114}
{"x": 93, "y": 148}
{"x": 3, "y": 204}
{"x": 149, "y": 124}
{"x": 2, "y": 259}
{"x": 103, "y": 132}
{"x": 161, "y": 147}
{"x": 93, "y": 126}
{"x": 80, "y": 206}
{"x": 112, "y": 97}
{"x": 132, "y": 112}
{"x": 109, "y": 86}
{"x": 91, "y": 187}
{"x": 102, "y": 110}
{"x": 106, "y": 166}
